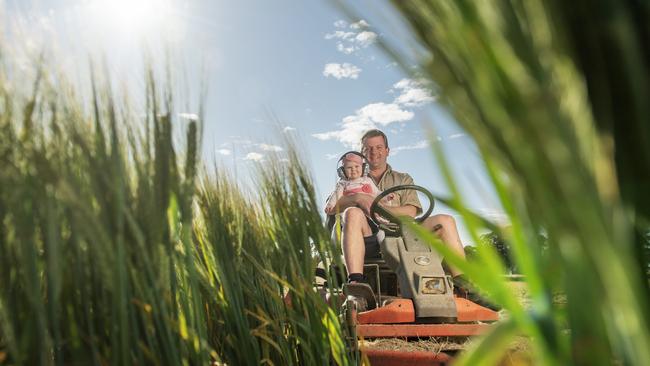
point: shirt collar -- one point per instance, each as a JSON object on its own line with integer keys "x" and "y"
{"x": 388, "y": 170}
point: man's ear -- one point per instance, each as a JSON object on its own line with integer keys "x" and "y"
{"x": 387, "y": 151}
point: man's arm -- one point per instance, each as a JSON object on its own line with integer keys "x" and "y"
{"x": 406, "y": 210}
{"x": 364, "y": 201}
{"x": 360, "y": 200}
{"x": 409, "y": 204}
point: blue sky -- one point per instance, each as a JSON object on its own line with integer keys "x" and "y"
{"x": 270, "y": 67}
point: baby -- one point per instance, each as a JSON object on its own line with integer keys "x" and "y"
{"x": 353, "y": 179}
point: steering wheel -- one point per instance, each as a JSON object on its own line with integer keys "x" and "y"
{"x": 376, "y": 210}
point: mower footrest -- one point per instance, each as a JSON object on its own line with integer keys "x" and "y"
{"x": 472, "y": 312}
{"x": 397, "y": 311}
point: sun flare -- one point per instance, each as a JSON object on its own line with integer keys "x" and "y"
{"x": 133, "y": 18}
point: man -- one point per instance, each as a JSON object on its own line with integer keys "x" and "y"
{"x": 359, "y": 240}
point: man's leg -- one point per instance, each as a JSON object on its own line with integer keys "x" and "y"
{"x": 448, "y": 234}
{"x": 355, "y": 228}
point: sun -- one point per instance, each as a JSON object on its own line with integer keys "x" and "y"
{"x": 131, "y": 18}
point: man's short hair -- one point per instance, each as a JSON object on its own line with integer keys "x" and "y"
{"x": 374, "y": 133}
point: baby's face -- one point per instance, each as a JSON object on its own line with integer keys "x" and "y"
{"x": 352, "y": 169}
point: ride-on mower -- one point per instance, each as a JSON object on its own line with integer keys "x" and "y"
{"x": 409, "y": 297}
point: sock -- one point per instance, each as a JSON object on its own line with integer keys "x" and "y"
{"x": 356, "y": 277}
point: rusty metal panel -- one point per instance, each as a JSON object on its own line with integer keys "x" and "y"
{"x": 400, "y": 358}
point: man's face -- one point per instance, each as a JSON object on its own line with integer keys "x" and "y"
{"x": 352, "y": 169}
{"x": 375, "y": 151}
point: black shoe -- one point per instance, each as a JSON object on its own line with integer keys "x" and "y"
{"x": 463, "y": 288}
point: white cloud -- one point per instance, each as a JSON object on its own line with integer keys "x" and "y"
{"x": 327, "y": 135}
{"x": 423, "y": 144}
{"x": 340, "y": 35}
{"x": 189, "y": 116}
{"x": 404, "y": 83}
{"x": 267, "y": 147}
{"x": 340, "y": 23}
{"x": 413, "y": 93}
{"x": 288, "y": 128}
{"x": 248, "y": 144}
{"x": 360, "y": 24}
{"x": 495, "y": 216}
{"x": 254, "y": 156}
{"x": 332, "y": 156}
{"x": 456, "y": 136}
{"x": 349, "y": 41}
{"x": 365, "y": 118}
{"x": 384, "y": 114}
{"x": 347, "y": 50}
{"x": 224, "y": 152}
{"x": 366, "y": 38}
{"x": 340, "y": 71}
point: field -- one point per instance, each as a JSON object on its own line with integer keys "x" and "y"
{"x": 118, "y": 245}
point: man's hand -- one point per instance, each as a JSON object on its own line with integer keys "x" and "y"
{"x": 407, "y": 210}
{"x": 361, "y": 200}
{"x": 364, "y": 201}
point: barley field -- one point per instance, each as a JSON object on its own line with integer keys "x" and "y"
{"x": 120, "y": 246}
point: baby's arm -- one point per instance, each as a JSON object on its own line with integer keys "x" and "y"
{"x": 333, "y": 198}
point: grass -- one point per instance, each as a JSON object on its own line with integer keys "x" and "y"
{"x": 118, "y": 247}
{"x": 553, "y": 95}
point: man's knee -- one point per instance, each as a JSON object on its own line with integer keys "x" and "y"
{"x": 355, "y": 221}
{"x": 353, "y": 216}
{"x": 444, "y": 220}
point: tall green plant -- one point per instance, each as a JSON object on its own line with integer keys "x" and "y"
{"x": 118, "y": 247}
{"x": 552, "y": 93}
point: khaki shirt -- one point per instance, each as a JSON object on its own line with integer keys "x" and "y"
{"x": 390, "y": 179}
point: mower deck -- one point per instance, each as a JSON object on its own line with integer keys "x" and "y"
{"x": 397, "y": 358}
{"x": 397, "y": 319}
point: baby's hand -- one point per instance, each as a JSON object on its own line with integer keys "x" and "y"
{"x": 388, "y": 200}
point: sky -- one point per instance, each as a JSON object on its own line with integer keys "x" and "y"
{"x": 268, "y": 68}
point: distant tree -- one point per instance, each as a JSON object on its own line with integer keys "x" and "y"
{"x": 470, "y": 252}
{"x": 502, "y": 247}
